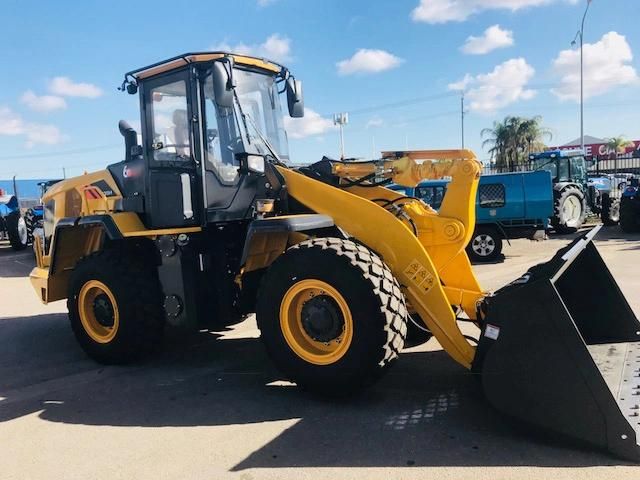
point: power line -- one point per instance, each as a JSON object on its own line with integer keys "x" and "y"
{"x": 61, "y": 153}
{"x": 401, "y": 103}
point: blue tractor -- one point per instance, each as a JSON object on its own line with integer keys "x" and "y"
{"x": 12, "y": 224}
{"x": 574, "y": 194}
{"x": 34, "y": 215}
{"x": 630, "y": 207}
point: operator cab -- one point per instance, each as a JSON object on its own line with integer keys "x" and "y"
{"x": 212, "y": 126}
{"x": 564, "y": 165}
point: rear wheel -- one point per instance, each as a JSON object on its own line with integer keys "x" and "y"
{"x": 17, "y": 231}
{"x": 331, "y": 315}
{"x": 485, "y": 245}
{"x": 629, "y": 215}
{"x": 570, "y": 210}
{"x": 30, "y": 219}
{"x": 610, "y": 213}
{"x": 115, "y": 306}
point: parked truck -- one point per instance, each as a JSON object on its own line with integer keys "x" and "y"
{"x": 508, "y": 206}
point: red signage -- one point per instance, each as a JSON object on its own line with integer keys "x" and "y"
{"x": 601, "y": 150}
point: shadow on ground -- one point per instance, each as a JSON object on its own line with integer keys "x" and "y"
{"x": 15, "y": 263}
{"x": 427, "y": 411}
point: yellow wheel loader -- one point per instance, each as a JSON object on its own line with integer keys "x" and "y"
{"x": 204, "y": 222}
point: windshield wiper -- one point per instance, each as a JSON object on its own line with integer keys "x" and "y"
{"x": 264, "y": 139}
{"x": 245, "y": 117}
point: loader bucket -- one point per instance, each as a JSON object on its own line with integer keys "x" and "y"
{"x": 560, "y": 350}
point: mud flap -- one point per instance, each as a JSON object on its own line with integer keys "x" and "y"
{"x": 560, "y": 349}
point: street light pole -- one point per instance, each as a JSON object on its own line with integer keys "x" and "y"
{"x": 581, "y": 35}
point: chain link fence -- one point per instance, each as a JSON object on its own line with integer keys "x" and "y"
{"x": 617, "y": 168}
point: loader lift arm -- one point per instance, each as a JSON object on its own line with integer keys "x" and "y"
{"x": 423, "y": 248}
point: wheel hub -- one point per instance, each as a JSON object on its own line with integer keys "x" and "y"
{"x": 103, "y": 310}
{"x": 321, "y": 319}
{"x": 483, "y": 245}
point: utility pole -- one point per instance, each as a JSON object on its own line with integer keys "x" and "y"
{"x": 581, "y": 35}
{"x": 64, "y": 173}
{"x": 341, "y": 119}
{"x": 462, "y": 115}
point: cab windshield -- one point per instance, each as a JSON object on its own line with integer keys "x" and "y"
{"x": 259, "y": 101}
{"x": 228, "y": 133}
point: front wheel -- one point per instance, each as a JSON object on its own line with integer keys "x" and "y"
{"x": 331, "y": 315}
{"x": 115, "y": 306}
{"x": 17, "y": 230}
{"x": 485, "y": 245}
{"x": 610, "y": 213}
{"x": 570, "y": 210}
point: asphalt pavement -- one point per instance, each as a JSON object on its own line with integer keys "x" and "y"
{"x": 212, "y": 406}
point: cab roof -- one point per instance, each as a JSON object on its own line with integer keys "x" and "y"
{"x": 557, "y": 154}
{"x": 195, "y": 57}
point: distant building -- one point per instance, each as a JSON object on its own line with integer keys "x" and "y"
{"x": 597, "y": 147}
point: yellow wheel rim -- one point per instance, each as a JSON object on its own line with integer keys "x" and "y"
{"x": 293, "y": 316}
{"x": 98, "y": 311}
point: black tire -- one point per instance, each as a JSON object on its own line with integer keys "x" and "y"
{"x": 485, "y": 245}
{"x": 629, "y": 215}
{"x": 16, "y": 229}
{"x": 376, "y": 304}
{"x": 560, "y": 221}
{"x": 138, "y": 297}
{"x": 610, "y": 211}
{"x": 30, "y": 218}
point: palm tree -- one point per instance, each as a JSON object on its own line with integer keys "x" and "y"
{"x": 533, "y": 134}
{"x": 513, "y": 139}
{"x": 618, "y": 144}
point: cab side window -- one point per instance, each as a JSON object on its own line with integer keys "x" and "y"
{"x": 170, "y": 122}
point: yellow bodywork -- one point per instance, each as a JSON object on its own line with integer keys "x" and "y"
{"x": 432, "y": 267}
{"x": 74, "y": 198}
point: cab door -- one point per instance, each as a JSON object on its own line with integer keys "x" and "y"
{"x": 171, "y": 196}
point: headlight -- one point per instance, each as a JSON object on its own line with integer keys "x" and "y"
{"x": 255, "y": 163}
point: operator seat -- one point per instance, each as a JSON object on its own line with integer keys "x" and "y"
{"x": 181, "y": 132}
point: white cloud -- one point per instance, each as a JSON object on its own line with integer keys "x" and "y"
{"x": 606, "y": 66}
{"x": 368, "y": 61}
{"x": 503, "y": 86}
{"x": 11, "y": 124}
{"x": 375, "y": 122}
{"x": 311, "y": 124}
{"x": 442, "y": 11}
{"x": 65, "y": 87}
{"x": 493, "y": 38}
{"x": 42, "y": 103}
{"x": 275, "y": 47}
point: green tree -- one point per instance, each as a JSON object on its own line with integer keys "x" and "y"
{"x": 512, "y": 140}
{"x": 618, "y": 144}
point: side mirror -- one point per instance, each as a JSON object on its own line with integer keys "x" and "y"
{"x": 295, "y": 100}
{"x": 223, "y": 84}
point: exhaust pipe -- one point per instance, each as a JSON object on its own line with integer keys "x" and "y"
{"x": 560, "y": 349}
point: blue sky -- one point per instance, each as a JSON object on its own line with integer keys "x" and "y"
{"x": 63, "y": 60}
